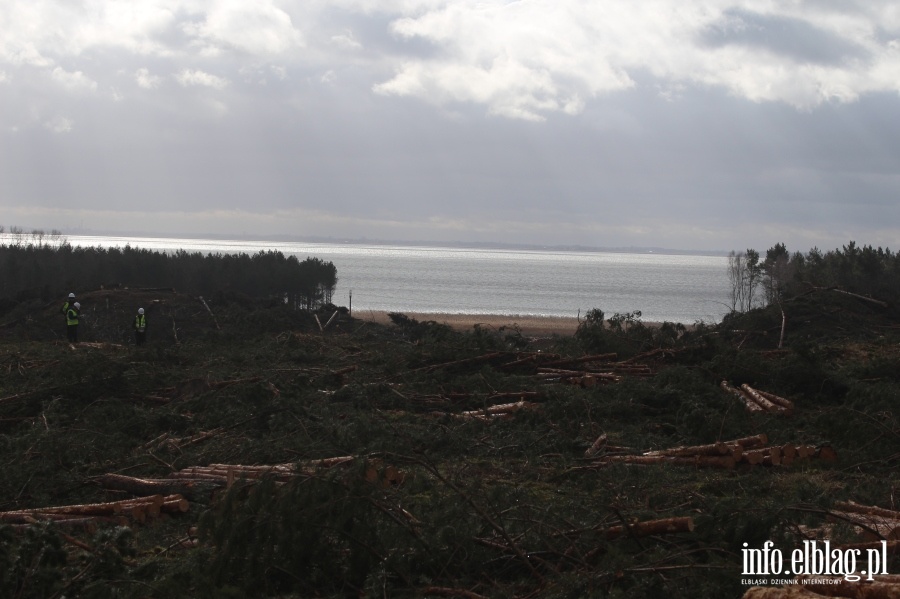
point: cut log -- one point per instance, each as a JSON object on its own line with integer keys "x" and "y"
{"x": 806, "y": 451}
{"x": 862, "y": 297}
{"x": 764, "y": 401}
{"x": 719, "y": 448}
{"x": 752, "y": 441}
{"x": 827, "y": 453}
{"x": 576, "y": 373}
{"x": 874, "y": 527}
{"x": 174, "y": 504}
{"x": 858, "y": 508}
{"x": 596, "y": 446}
{"x": 530, "y": 359}
{"x": 330, "y": 319}
{"x": 507, "y": 408}
{"x": 88, "y": 525}
{"x": 773, "y": 456}
{"x": 754, "y": 457}
{"x": 700, "y": 461}
{"x": 788, "y": 454}
{"x": 466, "y": 361}
{"x": 157, "y": 486}
{"x": 652, "y": 527}
{"x": 137, "y": 509}
{"x": 228, "y": 473}
{"x": 583, "y": 360}
{"x": 748, "y": 402}
{"x": 514, "y": 395}
{"x": 777, "y": 399}
{"x": 205, "y": 305}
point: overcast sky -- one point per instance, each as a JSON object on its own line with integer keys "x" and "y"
{"x": 691, "y": 125}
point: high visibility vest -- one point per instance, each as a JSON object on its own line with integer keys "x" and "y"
{"x": 71, "y": 316}
{"x": 140, "y": 323}
{"x": 65, "y": 308}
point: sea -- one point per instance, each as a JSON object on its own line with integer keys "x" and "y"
{"x": 681, "y": 288}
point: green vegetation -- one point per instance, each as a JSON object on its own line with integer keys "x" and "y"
{"x": 40, "y": 267}
{"x": 782, "y": 275}
{"x": 486, "y": 506}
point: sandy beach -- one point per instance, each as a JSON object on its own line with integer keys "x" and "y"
{"x": 529, "y": 325}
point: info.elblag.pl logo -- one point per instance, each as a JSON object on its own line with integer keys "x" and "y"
{"x": 814, "y": 558}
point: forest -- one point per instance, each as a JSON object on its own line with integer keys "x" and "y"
{"x": 781, "y": 274}
{"x": 251, "y": 449}
{"x": 38, "y": 266}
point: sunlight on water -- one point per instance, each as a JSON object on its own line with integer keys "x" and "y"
{"x": 677, "y": 288}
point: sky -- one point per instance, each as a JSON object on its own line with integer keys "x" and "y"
{"x": 704, "y": 125}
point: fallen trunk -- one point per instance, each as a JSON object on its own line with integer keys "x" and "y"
{"x": 852, "y": 506}
{"x": 749, "y": 404}
{"x": 652, "y": 527}
{"x": 700, "y": 461}
{"x": 157, "y": 486}
{"x": 763, "y": 401}
{"x": 719, "y": 448}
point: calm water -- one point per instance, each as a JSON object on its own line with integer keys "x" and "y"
{"x": 677, "y": 288}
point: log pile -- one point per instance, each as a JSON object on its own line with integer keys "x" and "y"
{"x": 755, "y": 400}
{"x": 753, "y": 451}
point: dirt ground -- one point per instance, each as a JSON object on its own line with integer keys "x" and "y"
{"x": 530, "y": 325}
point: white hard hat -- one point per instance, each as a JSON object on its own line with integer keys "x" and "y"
{"x": 71, "y": 296}
{"x": 77, "y": 306}
{"x": 140, "y": 310}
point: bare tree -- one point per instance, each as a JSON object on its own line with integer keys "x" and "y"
{"x": 736, "y": 273}
{"x": 744, "y": 273}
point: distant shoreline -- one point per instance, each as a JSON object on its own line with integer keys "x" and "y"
{"x": 457, "y": 245}
{"x": 529, "y": 325}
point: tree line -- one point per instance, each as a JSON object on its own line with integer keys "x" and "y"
{"x": 757, "y": 281}
{"x": 45, "y": 266}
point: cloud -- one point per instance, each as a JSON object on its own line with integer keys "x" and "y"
{"x": 59, "y": 125}
{"x": 346, "y": 41}
{"x": 146, "y": 80}
{"x": 540, "y": 55}
{"x": 255, "y": 28}
{"x": 190, "y": 77}
{"x": 76, "y": 81}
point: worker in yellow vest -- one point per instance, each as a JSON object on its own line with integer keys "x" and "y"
{"x": 140, "y": 327}
{"x": 72, "y": 315}
{"x": 68, "y": 304}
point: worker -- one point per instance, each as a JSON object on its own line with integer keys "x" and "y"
{"x": 72, "y": 316}
{"x": 140, "y": 327}
{"x": 68, "y": 303}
